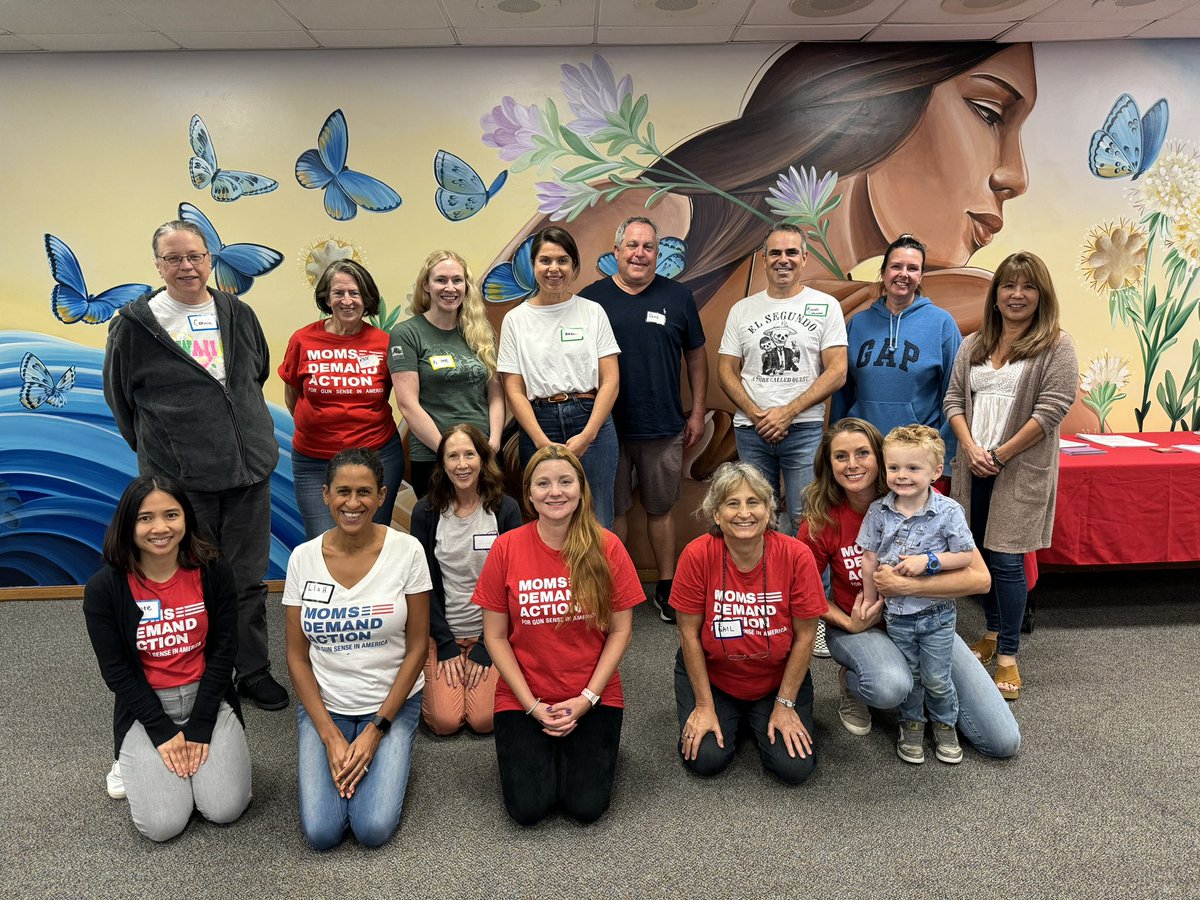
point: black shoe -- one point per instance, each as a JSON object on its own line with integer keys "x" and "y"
{"x": 264, "y": 692}
{"x": 665, "y": 611}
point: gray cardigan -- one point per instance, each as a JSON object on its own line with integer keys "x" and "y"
{"x": 1021, "y": 518}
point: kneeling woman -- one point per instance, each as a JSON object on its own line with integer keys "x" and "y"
{"x": 457, "y": 522}
{"x": 162, "y": 617}
{"x": 357, "y": 601}
{"x": 558, "y": 597}
{"x": 747, "y": 599}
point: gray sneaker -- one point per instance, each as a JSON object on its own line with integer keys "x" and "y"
{"x": 910, "y": 746}
{"x": 820, "y": 648}
{"x": 855, "y": 716}
{"x": 945, "y": 743}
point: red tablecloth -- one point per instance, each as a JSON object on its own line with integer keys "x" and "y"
{"x": 1129, "y": 505}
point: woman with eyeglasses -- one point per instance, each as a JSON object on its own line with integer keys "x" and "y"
{"x": 336, "y": 385}
{"x": 747, "y": 600}
{"x": 901, "y": 351}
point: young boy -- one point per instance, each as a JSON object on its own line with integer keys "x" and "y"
{"x": 919, "y": 532}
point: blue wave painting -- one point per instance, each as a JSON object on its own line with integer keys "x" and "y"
{"x": 63, "y": 470}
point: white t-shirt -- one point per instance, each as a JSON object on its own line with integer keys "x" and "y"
{"x": 779, "y": 343}
{"x": 556, "y": 348}
{"x": 461, "y": 547}
{"x": 356, "y": 635}
{"x": 194, "y": 327}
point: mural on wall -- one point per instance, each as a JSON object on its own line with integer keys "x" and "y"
{"x": 853, "y": 143}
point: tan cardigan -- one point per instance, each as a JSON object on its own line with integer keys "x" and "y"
{"x": 1021, "y": 518}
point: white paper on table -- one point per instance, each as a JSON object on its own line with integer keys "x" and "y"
{"x": 1118, "y": 440}
{"x": 1194, "y": 448}
{"x": 1063, "y": 443}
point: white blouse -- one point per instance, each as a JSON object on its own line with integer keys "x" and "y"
{"x": 993, "y": 392}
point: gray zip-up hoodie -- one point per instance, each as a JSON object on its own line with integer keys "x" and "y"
{"x": 179, "y": 419}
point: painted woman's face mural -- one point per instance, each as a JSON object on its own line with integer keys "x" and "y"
{"x": 964, "y": 156}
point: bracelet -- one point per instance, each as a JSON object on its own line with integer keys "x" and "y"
{"x": 783, "y": 701}
{"x": 529, "y": 712}
{"x": 590, "y": 696}
{"x": 996, "y": 459}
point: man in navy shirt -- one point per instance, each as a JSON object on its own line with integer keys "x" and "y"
{"x": 656, "y": 323}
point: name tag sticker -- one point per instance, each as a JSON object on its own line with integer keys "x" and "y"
{"x": 816, "y": 310}
{"x": 151, "y": 610}
{"x": 727, "y": 628}
{"x": 445, "y": 361}
{"x": 655, "y": 318}
{"x": 203, "y": 322}
{"x": 317, "y": 592}
{"x": 570, "y": 334}
{"x": 483, "y": 541}
{"x": 369, "y": 362}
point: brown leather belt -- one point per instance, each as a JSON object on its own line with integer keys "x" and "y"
{"x": 564, "y": 396}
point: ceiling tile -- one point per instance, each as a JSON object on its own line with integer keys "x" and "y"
{"x": 634, "y": 13}
{"x": 65, "y": 17}
{"x": 10, "y": 43}
{"x": 675, "y": 34}
{"x": 579, "y": 36}
{"x": 376, "y": 37}
{"x": 962, "y": 12}
{"x": 1071, "y": 31}
{"x": 1110, "y": 10}
{"x": 801, "y": 32}
{"x": 975, "y": 31}
{"x": 365, "y": 14}
{"x": 820, "y": 12}
{"x": 187, "y": 15}
{"x": 478, "y": 15}
{"x": 87, "y": 43}
{"x": 243, "y": 40}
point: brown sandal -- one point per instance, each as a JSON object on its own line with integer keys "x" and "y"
{"x": 1008, "y": 675}
{"x": 984, "y": 649}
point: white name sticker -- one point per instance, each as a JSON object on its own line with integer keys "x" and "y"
{"x": 655, "y": 318}
{"x": 369, "y": 362}
{"x": 203, "y": 322}
{"x": 570, "y": 334}
{"x": 483, "y": 541}
{"x": 816, "y": 310}
{"x": 445, "y": 361}
{"x": 151, "y": 610}
{"x": 727, "y": 628}
{"x": 317, "y": 592}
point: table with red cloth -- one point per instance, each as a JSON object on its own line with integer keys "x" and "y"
{"x": 1129, "y": 505}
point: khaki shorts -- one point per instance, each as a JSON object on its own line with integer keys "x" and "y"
{"x": 659, "y": 466}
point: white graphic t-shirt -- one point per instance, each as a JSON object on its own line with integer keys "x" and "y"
{"x": 356, "y": 635}
{"x": 195, "y": 329}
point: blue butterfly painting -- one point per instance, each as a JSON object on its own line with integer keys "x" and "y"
{"x": 38, "y": 385}
{"x": 672, "y": 257}
{"x": 461, "y": 193}
{"x": 512, "y": 280}
{"x": 345, "y": 190}
{"x": 226, "y": 184}
{"x": 70, "y": 299}
{"x": 235, "y": 266}
{"x": 1128, "y": 144}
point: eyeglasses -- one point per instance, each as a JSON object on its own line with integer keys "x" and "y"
{"x": 175, "y": 262}
{"x": 763, "y": 654}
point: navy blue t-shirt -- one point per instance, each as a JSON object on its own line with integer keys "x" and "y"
{"x": 654, "y": 328}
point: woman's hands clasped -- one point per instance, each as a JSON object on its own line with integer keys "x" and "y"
{"x": 559, "y": 719}
{"x": 348, "y": 762}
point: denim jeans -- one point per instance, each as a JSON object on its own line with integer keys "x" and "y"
{"x": 712, "y": 759}
{"x": 792, "y": 458}
{"x": 565, "y": 420}
{"x": 374, "y": 811}
{"x": 539, "y": 772}
{"x": 308, "y": 475}
{"x": 161, "y": 802}
{"x": 926, "y": 638}
{"x": 1004, "y": 603}
{"x": 878, "y": 674}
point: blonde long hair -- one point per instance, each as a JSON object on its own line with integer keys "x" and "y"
{"x": 1043, "y": 332}
{"x": 473, "y": 324}
{"x": 587, "y": 564}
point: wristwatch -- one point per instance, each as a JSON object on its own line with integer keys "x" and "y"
{"x": 934, "y": 565}
{"x": 784, "y": 702}
{"x": 591, "y": 696}
{"x": 383, "y": 723}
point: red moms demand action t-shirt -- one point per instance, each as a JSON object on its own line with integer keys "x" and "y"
{"x": 837, "y": 547}
{"x": 174, "y": 626}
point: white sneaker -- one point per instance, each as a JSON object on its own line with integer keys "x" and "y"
{"x": 820, "y": 648}
{"x": 113, "y": 782}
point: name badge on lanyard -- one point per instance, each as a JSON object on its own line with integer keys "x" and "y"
{"x": 317, "y": 592}
{"x": 203, "y": 322}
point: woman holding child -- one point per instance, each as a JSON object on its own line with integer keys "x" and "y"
{"x": 848, "y": 477}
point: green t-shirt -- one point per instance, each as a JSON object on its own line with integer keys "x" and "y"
{"x": 453, "y": 382}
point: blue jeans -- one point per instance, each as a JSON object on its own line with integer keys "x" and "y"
{"x": 792, "y": 458}
{"x": 565, "y": 420}
{"x": 879, "y": 676}
{"x": 926, "y": 638}
{"x": 1004, "y": 603}
{"x": 308, "y": 475}
{"x": 374, "y": 811}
